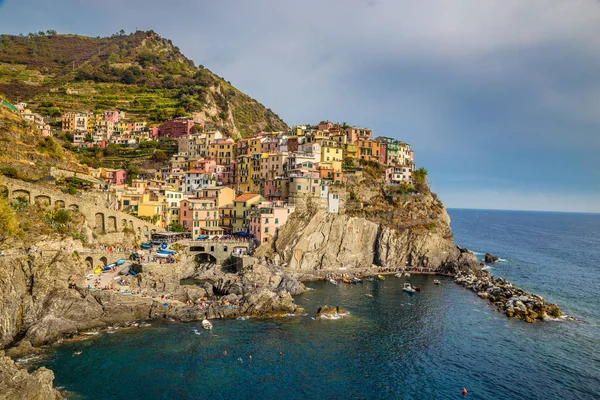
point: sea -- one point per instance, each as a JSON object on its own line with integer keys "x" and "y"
{"x": 393, "y": 345}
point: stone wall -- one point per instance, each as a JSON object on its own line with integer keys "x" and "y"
{"x": 101, "y": 219}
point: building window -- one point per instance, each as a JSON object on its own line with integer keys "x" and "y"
{"x": 276, "y": 220}
{"x": 266, "y": 230}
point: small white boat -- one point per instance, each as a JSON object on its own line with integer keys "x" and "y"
{"x": 436, "y": 281}
{"x": 206, "y": 325}
{"x": 333, "y": 281}
{"x": 407, "y": 275}
{"x": 398, "y": 275}
{"x": 408, "y": 288}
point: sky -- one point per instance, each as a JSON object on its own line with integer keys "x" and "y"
{"x": 499, "y": 99}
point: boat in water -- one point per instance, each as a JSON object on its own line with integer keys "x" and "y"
{"x": 206, "y": 324}
{"x": 436, "y": 281}
{"x": 408, "y": 288}
{"x": 355, "y": 280}
{"x": 370, "y": 278}
{"x": 346, "y": 280}
{"x": 417, "y": 288}
{"x": 407, "y": 275}
{"x": 381, "y": 277}
{"x": 398, "y": 275}
{"x": 333, "y": 281}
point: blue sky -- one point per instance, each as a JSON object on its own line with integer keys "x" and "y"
{"x": 500, "y": 99}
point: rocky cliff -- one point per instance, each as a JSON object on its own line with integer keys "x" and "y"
{"x": 413, "y": 233}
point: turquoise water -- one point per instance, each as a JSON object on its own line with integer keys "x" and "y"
{"x": 393, "y": 345}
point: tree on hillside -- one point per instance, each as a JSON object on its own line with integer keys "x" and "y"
{"x": 175, "y": 226}
{"x": 160, "y": 156}
{"x": 420, "y": 176}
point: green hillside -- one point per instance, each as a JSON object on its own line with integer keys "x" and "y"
{"x": 141, "y": 74}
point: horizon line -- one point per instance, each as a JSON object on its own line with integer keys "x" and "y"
{"x": 521, "y": 210}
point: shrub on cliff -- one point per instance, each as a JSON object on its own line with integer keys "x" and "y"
{"x": 9, "y": 223}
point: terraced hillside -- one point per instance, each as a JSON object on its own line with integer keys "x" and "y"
{"x": 141, "y": 74}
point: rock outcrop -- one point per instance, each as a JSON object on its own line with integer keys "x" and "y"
{"x": 17, "y": 383}
{"x": 38, "y": 307}
{"x": 490, "y": 259}
{"x": 508, "y": 299}
{"x": 329, "y": 312}
{"x": 317, "y": 240}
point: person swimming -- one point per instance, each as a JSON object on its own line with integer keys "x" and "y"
{"x": 464, "y": 391}
{"x": 77, "y": 353}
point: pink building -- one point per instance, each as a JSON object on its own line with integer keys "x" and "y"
{"x": 270, "y": 145}
{"x": 112, "y": 116}
{"x": 199, "y": 216}
{"x": 266, "y": 220}
{"x": 206, "y": 166}
{"x": 397, "y": 175}
{"x": 325, "y": 126}
{"x": 178, "y": 127}
{"x": 114, "y": 176}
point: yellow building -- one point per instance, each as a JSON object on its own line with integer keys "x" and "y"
{"x": 350, "y": 150}
{"x": 254, "y": 145}
{"x": 331, "y": 154}
{"x": 241, "y": 205}
{"x": 244, "y": 173}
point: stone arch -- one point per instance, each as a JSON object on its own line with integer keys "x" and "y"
{"x": 59, "y": 204}
{"x": 99, "y": 227}
{"x": 111, "y": 224}
{"x": 205, "y": 258}
{"x": 43, "y": 200}
{"x": 74, "y": 207}
{"x": 21, "y": 193}
{"x": 104, "y": 260}
{"x": 123, "y": 224}
{"x": 89, "y": 262}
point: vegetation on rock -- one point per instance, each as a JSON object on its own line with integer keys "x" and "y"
{"x": 141, "y": 74}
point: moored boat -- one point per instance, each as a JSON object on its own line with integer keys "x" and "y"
{"x": 398, "y": 275}
{"x": 162, "y": 251}
{"x": 370, "y": 278}
{"x": 408, "y": 288}
{"x": 381, "y": 277}
{"x": 206, "y": 324}
{"x": 333, "y": 281}
{"x": 436, "y": 281}
{"x": 407, "y": 275}
{"x": 346, "y": 280}
{"x": 355, "y": 280}
{"x": 417, "y": 288}
{"x": 146, "y": 246}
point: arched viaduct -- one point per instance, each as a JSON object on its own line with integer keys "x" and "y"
{"x": 102, "y": 219}
{"x": 214, "y": 250}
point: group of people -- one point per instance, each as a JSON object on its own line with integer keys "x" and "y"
{"x": 205, "y": 302}
{"x": 405, "y": 269}
{"x": 112, "y": 249}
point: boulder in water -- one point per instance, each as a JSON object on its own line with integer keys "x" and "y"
{"x": 490, "y": 259}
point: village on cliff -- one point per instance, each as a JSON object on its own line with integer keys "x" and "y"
{"x": 215, "y": 185}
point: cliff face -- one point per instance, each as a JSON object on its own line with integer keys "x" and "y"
{"x": 22, "y": 385}
{"x": 317, "y": 240}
